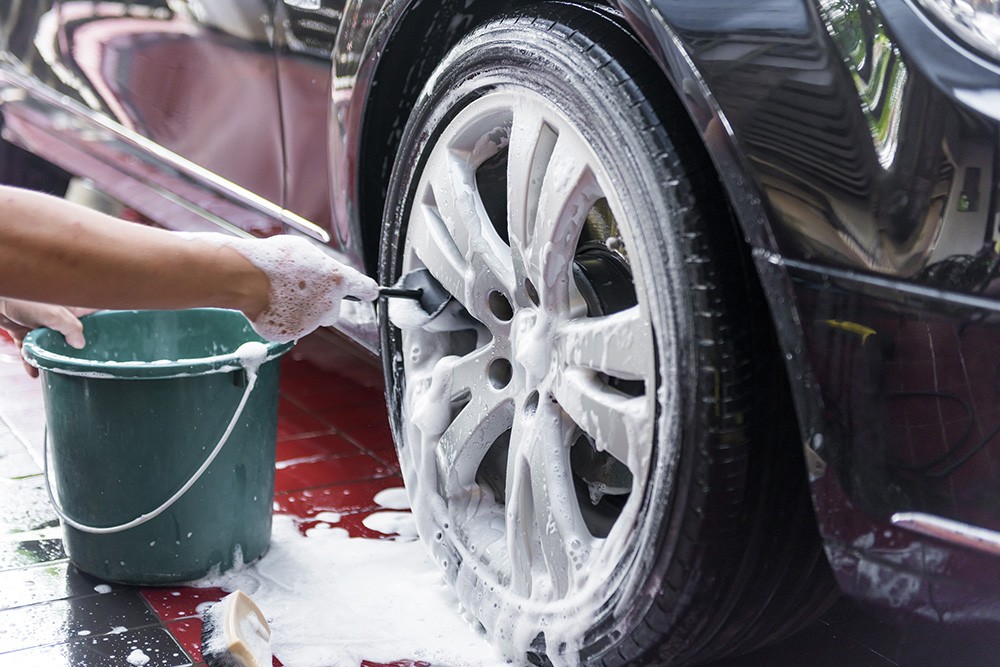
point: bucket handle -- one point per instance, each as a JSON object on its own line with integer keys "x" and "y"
{"x": 143, "y": 518}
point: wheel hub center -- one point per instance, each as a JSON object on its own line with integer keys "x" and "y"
{"x": 532, "y": 345}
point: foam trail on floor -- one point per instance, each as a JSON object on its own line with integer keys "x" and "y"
{"x": 335, "y": 600}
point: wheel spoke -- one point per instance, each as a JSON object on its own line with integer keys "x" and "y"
{"x": 487, "y": 415}
{"x": 619, "y": 345}
{"x": 620, "y": 425}
{"x": 519, "y": 524}
{"x": 432, "y": 242}
{"x": 565, "y": 540}
{"x": 529, "y": 151}
{"x": 462, "y": 447}
{"x": 568, "y": 192}
{"x": 472, "y": 234}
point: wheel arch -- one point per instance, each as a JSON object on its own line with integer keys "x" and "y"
{"x": 651, "y": 22}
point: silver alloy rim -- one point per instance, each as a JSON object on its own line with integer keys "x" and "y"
{"x": 538, "y": 366}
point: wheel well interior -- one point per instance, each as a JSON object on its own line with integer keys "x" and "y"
{"x": 405, "y": 66}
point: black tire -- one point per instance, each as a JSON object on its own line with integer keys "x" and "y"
{"x": 719, "y": 551}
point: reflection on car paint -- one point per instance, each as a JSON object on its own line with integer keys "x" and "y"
{"x": 176, "y": 78}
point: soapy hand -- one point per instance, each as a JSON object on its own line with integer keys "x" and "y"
{"x": 19, "y": 317}
{"x": 307, "y": 285}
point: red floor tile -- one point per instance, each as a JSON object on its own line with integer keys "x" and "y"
{"x": 358, "y": 418}
{"x": 333, "y": 445}
{"x": 316, "y": 394}
{"x": 294, "y": 422}
{"x": 355, "y": 527}
{"x": 327, "y": 445}
{"x": 188, "y": 635}
{"x": 327, "y": 472}
{"x": 352, "y": 523}
{"x": 344, "y": 498}
{"x": 377, "y": 448}
{"x": 300, "y": 448}
{"x": 171, "y": 604}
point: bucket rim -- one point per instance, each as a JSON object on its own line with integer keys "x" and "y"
{"x": 46, "y": 360}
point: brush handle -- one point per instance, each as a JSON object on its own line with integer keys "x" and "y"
{"x": 394, "y": 292}
{"x": 401, "y": 292}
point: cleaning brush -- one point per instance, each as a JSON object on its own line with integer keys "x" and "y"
{"x": 234, "y": 633}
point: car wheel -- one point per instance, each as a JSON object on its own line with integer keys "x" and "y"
{"x": 596, "y": 437}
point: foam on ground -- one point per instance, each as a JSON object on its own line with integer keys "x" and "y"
{"x": 336, "y": 600}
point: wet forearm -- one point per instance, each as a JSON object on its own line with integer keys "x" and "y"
{"x": 59, "y": 252}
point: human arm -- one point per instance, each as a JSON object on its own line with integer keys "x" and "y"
{"x": 55, "y": 251}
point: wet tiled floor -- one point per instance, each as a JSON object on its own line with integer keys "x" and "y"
{"x": 335, "y": 453}
{"x": 52, "y": 615}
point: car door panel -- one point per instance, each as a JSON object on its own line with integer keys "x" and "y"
{"x": 196, "y": 81}
{"x": 305, "y": 36}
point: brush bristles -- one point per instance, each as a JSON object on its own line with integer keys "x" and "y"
{"x": 214, "y": 648}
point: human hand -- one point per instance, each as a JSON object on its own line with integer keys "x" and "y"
{"x": 307, "y": 285}
{"x": 18, "y": 317}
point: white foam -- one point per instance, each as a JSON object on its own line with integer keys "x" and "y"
{"x": 257, "y": 639}
{"x": 137, "y": 658}
{"x": 307, "y": 285}
{"x": 327, "y": 528}
{"x": 77, "y": 363}
{"x": 407, "y": 314}
{"x": 391, "y": 523}
{"x": 252, "y": 355}
{"x": 393, "y": 499}
{"x": 332, "y": 600}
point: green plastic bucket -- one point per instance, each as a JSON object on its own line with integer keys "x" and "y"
{"x": 133, "y": 422}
